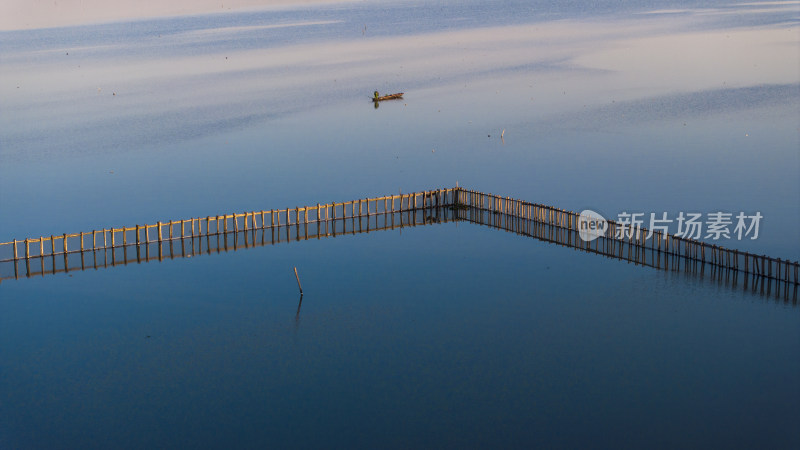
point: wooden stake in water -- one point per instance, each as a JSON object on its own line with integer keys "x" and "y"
{"x": 298, "y": 281}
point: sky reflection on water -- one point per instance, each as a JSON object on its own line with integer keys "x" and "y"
{"x": 160, "y": 100}
{"x": 209, "y": 350}
{"x": 443, "y": 336}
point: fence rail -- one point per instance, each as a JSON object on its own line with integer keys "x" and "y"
{"x": 631, "y": 253}
{"x": 617, "y": 237}
{"x": 637, "y": 245}
{"x": 224, "y": 242}
{"x": 299, "y": 223}
{"x": 213, "y": 225}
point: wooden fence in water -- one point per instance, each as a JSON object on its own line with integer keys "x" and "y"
{"x": 618, "y": 244}
{"x": 143, "y": 243}
{"x": 560, "y": 227}
{"x": 657, "y": 249}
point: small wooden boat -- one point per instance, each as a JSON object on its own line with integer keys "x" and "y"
{"x": 386, "y": 97}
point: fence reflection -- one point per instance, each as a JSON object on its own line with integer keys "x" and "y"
{"x": 113, "y": 247}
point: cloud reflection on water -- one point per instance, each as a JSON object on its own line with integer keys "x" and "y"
{"x": 171, "y": 92}
{"x": 595, "y": 61}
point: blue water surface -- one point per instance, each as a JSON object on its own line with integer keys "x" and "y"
{"x": 442, "y": 336}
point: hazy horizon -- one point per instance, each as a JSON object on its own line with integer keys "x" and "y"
{"x": 32, "y": 14}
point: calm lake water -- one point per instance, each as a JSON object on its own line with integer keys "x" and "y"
{"x": 444, "y": 336}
